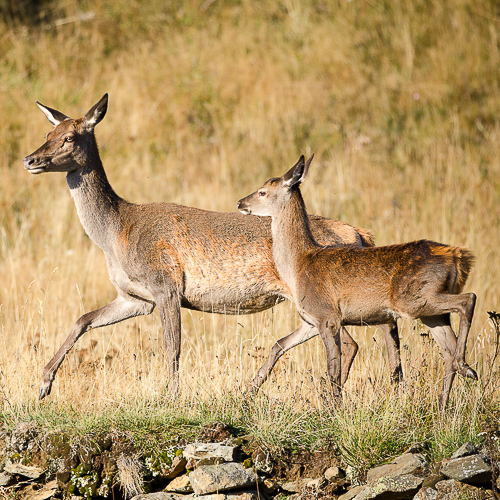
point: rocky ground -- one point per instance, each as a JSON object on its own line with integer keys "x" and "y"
{"x": 39, "y": 466}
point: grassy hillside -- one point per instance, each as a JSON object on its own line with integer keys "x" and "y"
{"x": 399, "y": 101}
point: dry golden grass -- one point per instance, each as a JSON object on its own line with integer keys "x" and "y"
{"x": 399, "y": 101}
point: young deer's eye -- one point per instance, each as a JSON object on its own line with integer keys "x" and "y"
{"x": 261, "y": 193}
{"x": 69, "y": 138}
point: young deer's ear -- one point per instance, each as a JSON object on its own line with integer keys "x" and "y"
{"x": 55, "y": 117}
{"x": 96, "y": 113}
{"x": 298, "y": 173}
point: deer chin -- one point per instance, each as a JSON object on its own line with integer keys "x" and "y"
{"x": 245, "y": 211}
{"x": 39, "y": 169}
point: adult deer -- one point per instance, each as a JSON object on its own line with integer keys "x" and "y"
{"x": 333, "y": 286}
{"x": 173, "y": 256}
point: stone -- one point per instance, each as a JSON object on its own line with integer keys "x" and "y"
{"x": 471, "y": 469}
{"x": 352, "y": 492}
{"x": 426, "y": 493}
{"x": 432, "y": 480}
{"x": 216, "y": 478}
{"x": 268, "y": 485}
{"x": 192, "y": 463}
{"x": 418, "y": 447}
{"x": 180, "y": 484}
{"x": 24, "y": 470}
{"x": 409, "y": 463}
{"x": 401, "y": 487}
{"x": 6, "y": 479}
{"x": 465, "y": 450}
{"x": 452, "y": 489}
{"x": 44, "y": 493}
{"x": 316, "y": 484}
{"x": 177, "y": 468}
{"x": 297, "y": 485}
{"x": 245, "y": 495}
{"x": 333, "y": 473}
{"x": 200, "y": 451}
{"x": 159, "y": 496}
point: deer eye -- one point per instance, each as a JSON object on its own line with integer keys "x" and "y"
{"x": 261, "y": 193}
{"x": 69, "y": 138}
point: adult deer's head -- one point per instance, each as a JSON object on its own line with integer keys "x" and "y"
{"x": 72, "y": 142}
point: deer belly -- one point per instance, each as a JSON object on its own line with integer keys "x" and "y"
{"x": 230, "y": 295}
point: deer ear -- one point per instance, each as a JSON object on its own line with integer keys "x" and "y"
{"x": 96, "y": 113}
{"x": 55, "y": 117}
{"x": 298, "y": 173}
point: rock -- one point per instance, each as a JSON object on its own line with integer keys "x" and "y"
{"x": 245, "y": 495}
{"x": 352, "y": 492}
{"x": 296, "y": 486}
{"x": 391, "y": 488}
{"x": 471, "y": 469}
{"x": 333, "y": 473}
{"x": 268, "y": 486}
{"x": 430, "y": 481}
{"x": 180, "y": 484}
{"x": 465, "y": 450}
{"x": 192, "y": 463}
{"x": 177, "y": 468}
{"x": 426, "y": 493}
{"x": 44, "y": 493}
{"x": 212, "y": 478}
{"x": 24, "y": 470}
{"x": 6, "y": 479}
{"x": 200, "y": 451}
{"x": 408, "y": 463}
{"x": 159, "y": 496}
{"x": 316, "y": 484}
{"x": 417, "y": 447}
{"x": 451, "y": 490}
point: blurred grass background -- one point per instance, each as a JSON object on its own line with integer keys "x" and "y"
{"x": 399, "y": 101}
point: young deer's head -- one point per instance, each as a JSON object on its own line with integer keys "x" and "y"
{"x": 275, "y": 193}
{"x": 72, "y": 142}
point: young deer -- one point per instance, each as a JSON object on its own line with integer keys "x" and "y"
{"x": 173, "y": 256}
{"x": 333, "y": 286}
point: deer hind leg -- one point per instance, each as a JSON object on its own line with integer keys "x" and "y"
{"x": 303, "y": 333}
{"x": 123, "y": 307}
{"x": 330, "y": 334}
{"x": 463, "y": 304}
{"x": 466, "y": 313}
{"x": 391, "y": 337}
{"x": 169, "y": 307}
{"x": 442, "y": 333}
{"x": 349, "y": 349}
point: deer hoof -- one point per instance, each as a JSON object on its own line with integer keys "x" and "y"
{"x": 45, "y": 390}
{"x": 466, "y": 371}
{"x": 471, "y": 373}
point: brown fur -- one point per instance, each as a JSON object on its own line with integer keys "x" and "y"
{"x": 335, "y": 286}
{"x": 168, "y": 255}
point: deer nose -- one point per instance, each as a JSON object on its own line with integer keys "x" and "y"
{"x": 28, "y": 161}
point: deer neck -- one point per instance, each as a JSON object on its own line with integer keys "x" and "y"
{"x": 97, "y": 204}
{"x": 292, "y": 239}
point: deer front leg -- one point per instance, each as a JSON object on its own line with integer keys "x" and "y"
{"x": 303, "y": 333}
{"x": 169, "y": 307}
{"x": 123, "y": 307}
